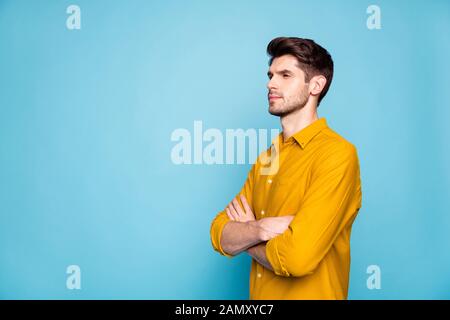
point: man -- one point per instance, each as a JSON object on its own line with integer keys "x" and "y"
{"x": 295, "y": 222}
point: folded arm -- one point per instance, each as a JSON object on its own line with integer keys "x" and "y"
{"x": 258, "y": 253}
{"x": 238, "y": 230}
{"x": 239, "y": 236}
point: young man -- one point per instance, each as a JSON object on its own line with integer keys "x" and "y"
{"x": 296, "y": 221}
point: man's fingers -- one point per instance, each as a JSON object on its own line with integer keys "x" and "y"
{"x": 233, "y": 211}
{"x": 245, "y": 204}
{"x": 237, "y": 207}
{"x": 229, "y": 214}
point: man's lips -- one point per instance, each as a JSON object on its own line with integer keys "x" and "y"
{"x": 273, "y": 97}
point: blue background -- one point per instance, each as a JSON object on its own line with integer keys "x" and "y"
{"x": 86, "y": 118}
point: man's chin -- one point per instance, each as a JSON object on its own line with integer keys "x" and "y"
{"x": 275, "y": 112}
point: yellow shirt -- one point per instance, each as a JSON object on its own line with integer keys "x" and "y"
{"x": 318, "y": 181}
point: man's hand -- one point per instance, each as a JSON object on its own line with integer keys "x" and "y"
{"x": 270, "y": 227}
{"x": 273, "y": 226}
{"x": 236, "y": 213}
{"x": 245, "y": 231}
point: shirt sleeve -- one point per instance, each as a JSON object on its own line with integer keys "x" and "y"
{"x": 222, "y": 219}
{"x": 331, "y": 202}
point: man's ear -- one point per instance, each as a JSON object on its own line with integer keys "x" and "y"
{"x": 317, "y": 84}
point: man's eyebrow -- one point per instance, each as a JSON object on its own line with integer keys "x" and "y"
{"x": 269, "y": 73}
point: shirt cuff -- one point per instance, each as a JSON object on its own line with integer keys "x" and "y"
{"x": 216, "y": 232}
{"x": 274, "y": 259}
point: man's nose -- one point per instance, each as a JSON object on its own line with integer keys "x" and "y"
{"x": 271, "y": 84}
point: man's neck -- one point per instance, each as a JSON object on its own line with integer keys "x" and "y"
{"x": 296, "y": 121}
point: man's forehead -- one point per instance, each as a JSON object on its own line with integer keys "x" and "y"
{"x": 286, "y": 62}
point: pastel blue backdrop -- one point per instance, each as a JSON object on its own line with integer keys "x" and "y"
{"x": 86, "y": 176}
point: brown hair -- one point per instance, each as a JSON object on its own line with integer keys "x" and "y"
{"x": 312, "y": 58}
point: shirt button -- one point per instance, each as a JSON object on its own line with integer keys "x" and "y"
{"x": 269, "y": 181}
{"x": 262, "y": 212}
{"x": 259, "y": 275}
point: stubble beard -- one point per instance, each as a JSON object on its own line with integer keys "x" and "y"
{"x": 289, "y": 107}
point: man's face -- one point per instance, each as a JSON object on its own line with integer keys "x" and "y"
{"x": 288, "y": 91}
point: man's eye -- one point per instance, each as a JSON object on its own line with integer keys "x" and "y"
{"x": 286, "y": 76}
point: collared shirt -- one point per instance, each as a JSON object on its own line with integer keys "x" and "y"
{"x": 316, "y": 179}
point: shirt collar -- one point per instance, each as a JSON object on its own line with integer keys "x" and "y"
{"x": 304, "y": 136}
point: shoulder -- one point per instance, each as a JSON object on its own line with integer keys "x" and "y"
{"x": 331, "y": 140}
{"x": 333, "y": 149}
